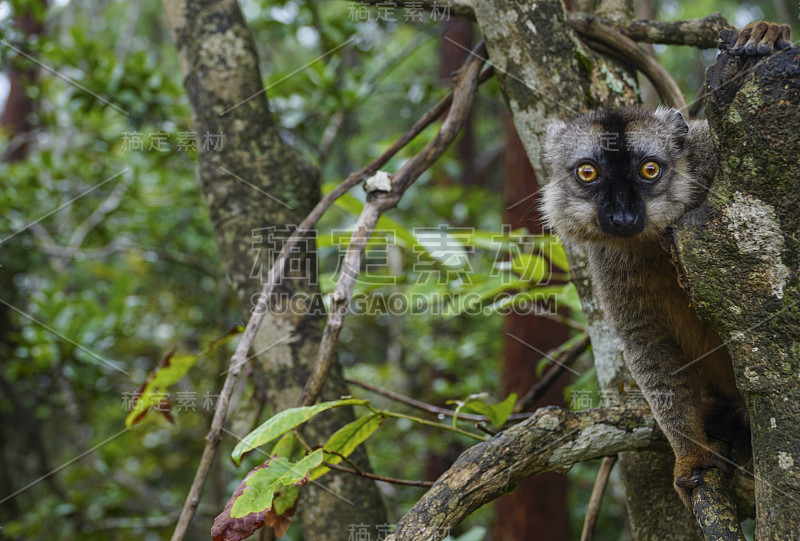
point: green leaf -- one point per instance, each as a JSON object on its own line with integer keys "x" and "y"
{"x": 345, "y": 440}
{"x": 497, "y": 413}
{"x": 287, "y": 498}
{"x": 531, "y": 267}
{"x": 279, "y": 424}
{"x": 263, "y": 483}
{"x": 569, "y": 298}
{"x": 284, "y": 446}
{"x": 557, "y": 256}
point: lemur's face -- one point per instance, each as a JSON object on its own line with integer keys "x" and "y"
{"x": 615, "y": 175}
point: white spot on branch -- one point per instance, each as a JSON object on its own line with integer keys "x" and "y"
{"x": 379, "y": 182}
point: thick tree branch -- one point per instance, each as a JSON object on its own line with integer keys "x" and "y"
{"x": 701, "y": 33}
{"x": 553, "y": 439}
{"x": 714, "y": 508}
{"x": 591, "y": 29}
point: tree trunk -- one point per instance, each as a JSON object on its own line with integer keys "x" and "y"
{"x": 739, "y": 256}
{"x": 256, "y": 186}
{"x": 16, "y": 118}
{"x": 16, "y": 123}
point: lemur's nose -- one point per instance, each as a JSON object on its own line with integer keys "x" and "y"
{"x": 623, "y": 220}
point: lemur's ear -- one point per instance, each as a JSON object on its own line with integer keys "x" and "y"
{"x": 677, "y": 124}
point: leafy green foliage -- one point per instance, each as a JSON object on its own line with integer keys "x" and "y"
{"x": 264, "y": 482}
{"x": 267, "y": 495}
{"x": 497, "y": 413}
{"x": 345, "y": 440}
{"x": 283, "y": 422}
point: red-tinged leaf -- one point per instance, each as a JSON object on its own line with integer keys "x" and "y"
{"x": 138, "y": 410}
{"x": 163, "y": 364}
{"x": 153, "y": 393}
{"x": 227, "y": 528}
{"x": 277, "y": 476}
{"x": 284, "y": 507}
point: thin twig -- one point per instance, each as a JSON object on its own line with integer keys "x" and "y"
{"x": 596, "y": 499}
{"x": 392, "y": 480}
{"x": 98, "y": 215}
{"x": 483, "y": 427}
{"x": 466, "y": 82}
{"x": 565, "y": 359}
{"x": 349, "y": 462}
{"x": 433, "y": 410}
{"x": 571, "y": 323}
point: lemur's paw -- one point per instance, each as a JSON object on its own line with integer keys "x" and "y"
{"x": 762, "y": 37}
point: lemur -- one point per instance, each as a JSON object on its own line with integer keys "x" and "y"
{"x": 616, "y": 181}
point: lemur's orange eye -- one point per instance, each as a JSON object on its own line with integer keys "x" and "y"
{"x": 586, "y": 172}
{"x": 650, "y": 170}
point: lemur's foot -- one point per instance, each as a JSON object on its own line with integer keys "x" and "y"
{"x": 762, "y": 37}
{"x": 689, "y": 473}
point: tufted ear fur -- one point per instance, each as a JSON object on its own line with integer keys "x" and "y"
{"x": 674, "y": 119}
{"x": 554, "y": 130}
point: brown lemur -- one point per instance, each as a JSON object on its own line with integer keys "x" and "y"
{"x": 617, "y": 181}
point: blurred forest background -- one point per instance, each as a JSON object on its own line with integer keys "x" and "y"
{"x": 108, "y": 258}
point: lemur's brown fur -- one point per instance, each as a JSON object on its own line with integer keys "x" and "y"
{"x": 619, "y": 218}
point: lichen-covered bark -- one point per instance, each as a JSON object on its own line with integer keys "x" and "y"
{"x": 713, "y": 503}
{"x": 702, "y": 33}
{"x": 740, "y": 255}
{"x": 553, "y": 439}
{"x": 252, "y": 183}
{"x": 546, "y": 73}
